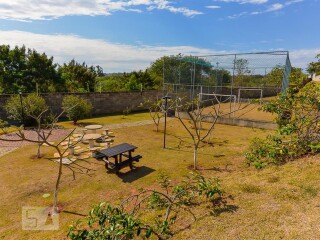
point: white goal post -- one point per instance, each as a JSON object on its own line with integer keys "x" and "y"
{"x": 250, "y": 89}
{"x": 229, "y": 98}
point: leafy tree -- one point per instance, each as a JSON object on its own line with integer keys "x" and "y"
{"x": 76, "y": 108}
{"x": 27, "y": 70}
{"x": 179, "y": 69}
{"x": 79, "y": 77}
{"x": 297, "y": 77}
{"x": 32, "y": 105}
{"x": 41, "y": 73}
{"x": 314, "y": 67}
{"x": 298, "y": 128}
{"x": 3, "y": 126}
{"x": 12, "y": 68}
{"x": 241, "y": 67}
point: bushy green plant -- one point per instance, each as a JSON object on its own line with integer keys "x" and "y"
{"x": 125, "y": 222}
{"x": 76, "y": 108}
{"x": 3, "y": 126}
{"x": 32, "y": 105}
{"x": 126, "y": 111}
{"x": 298, "y": 130}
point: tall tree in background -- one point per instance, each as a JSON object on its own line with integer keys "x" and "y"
{"x": 241, "y": 67}
{"x": 41, "y": 74}
{"x": 314, "y": 67}
{"x": 27, "y": 70}
{"x": 12, "y": 68}
{"x": 179, "y": 69}
{"x": 78, "y": 77}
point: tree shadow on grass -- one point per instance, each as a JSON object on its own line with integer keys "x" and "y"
{"x": 83, "y": 124}
{"x": 75, "y": 213}
{"x": 216, "y": 169}
{"x": 213, "y": 212}
{"x": 228, "y": 208}
{"x": 135, "y": 174}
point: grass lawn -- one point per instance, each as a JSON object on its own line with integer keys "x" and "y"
{"x": 244, "y": 111}
{"x": 274, "y": 203}
{"x": 109, "y": 119}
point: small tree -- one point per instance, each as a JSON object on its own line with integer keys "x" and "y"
{"x": 32, "y": 104}
{"x": 155, "y": 110}
{"x": 30, "y": 111}
{"x": 43, "y": 138}
{"x": 3, "y": 126}
{"x": 76, "y": 108}
{"x": 198, "y": 113}
{"x": 314, "y": 67}
{"x": 122, "y": 222}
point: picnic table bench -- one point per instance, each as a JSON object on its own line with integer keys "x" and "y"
{"x": 117, "y": 153}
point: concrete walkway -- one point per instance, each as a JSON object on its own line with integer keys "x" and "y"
{"x": 133, "y": 124}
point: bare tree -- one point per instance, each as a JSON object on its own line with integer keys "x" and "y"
{"x": 198, "y": 113}
{"x": 155, "y": 110}
{"x": 43, "y": 136}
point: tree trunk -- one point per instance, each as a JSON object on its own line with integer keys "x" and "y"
{"x": 39, "y": 140}
{"x": 55, "y": 201}
{"x": 195, "y": 157}
{"x": 39, "y": 152}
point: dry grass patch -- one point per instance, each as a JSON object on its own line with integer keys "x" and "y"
{"x": 109, "y": 119}
{"x": 259, "y": 202}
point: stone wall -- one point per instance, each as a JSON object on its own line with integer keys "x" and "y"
{"x": 103, "y": 103}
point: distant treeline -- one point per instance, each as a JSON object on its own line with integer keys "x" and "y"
{"x": 27, "y": 70}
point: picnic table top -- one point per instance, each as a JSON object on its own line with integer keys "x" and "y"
{"x": 91, "y": 136}
{"x": 93, "y": 127}
{"x": 116, "y": 150}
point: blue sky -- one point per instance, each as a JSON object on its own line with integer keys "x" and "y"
{"x": 129, "y": 34}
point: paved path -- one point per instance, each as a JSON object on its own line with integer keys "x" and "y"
{"x": 133, "y": 124}
{"x": 7, "y": 147}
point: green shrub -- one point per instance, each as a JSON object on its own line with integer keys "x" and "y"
{"x": 3, "y": 126}
{"x": 163, "y": 207}
{"x": 76, "y": 108}
{"x": 298, "y": 128}
{"x": 32, "y": 106}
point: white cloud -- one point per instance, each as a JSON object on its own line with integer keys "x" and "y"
{"x": 301, "y": 57}
{"x": 112, "y": 57}
{"x": 275, "y": 7}
{"x": 29, "y": 10}
{"x": 271, "y": 8}
{"x": 165, "y": 5}
{"x": 293, "y": 2}
{"x": 115, "y": 57}
{"x": 213, "y": 7}
{"x": 244, "y": 1}
{"x": 234, "y": 16}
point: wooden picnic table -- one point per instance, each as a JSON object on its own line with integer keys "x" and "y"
{"x": 117, "y": 153}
